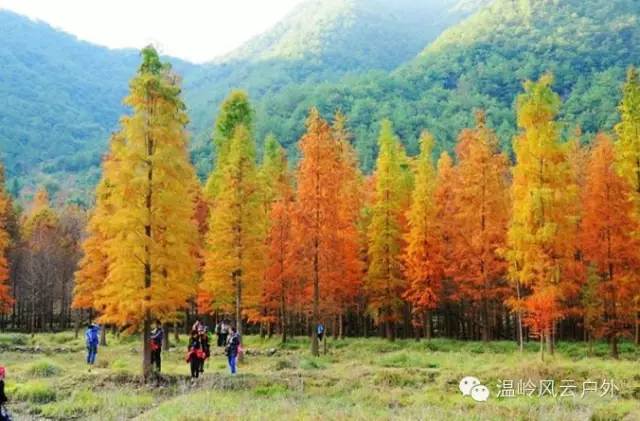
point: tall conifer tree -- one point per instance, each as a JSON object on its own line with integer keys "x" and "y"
{"x": 150, "y": 234}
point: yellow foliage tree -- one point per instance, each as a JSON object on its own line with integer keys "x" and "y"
{"x": 150, "y": 234}
{"x": 234, "y": 261}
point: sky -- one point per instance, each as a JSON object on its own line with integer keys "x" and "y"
{"x": 195, "y": 30}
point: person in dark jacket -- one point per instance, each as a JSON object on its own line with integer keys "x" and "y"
{"x": 195, "y": 354}
{"x": 92, "y": 339}
{"x": 204, "y": 341}
{"x": 157, "y": 336}
{"x": 232, "y": 349}
{"x": 4, "y": 414}
{"x": 222, "y": 330}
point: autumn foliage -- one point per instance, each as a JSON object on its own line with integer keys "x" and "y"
{"x": 474, "y": 244}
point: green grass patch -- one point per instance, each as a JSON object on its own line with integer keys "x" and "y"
{"x": 35, "y": 392}
{"x": 44, "y": 368}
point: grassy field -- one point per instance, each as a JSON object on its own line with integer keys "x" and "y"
{"x": 357, "y": 379}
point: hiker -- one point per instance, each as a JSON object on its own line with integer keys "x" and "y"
{"x": 157, "y": 336}
{"x": 232, "y": 349}
{"x": 195, "y": 354}
{"x": 92, "y": 339}
{"x": 320, "y": 331}
{"x": 197, "y": 325}
{"x": 222, "y": 330}
{"x": 204, "y": 341}
{"x": 4, "y": 414}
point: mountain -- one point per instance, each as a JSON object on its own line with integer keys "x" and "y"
{"x": 319, "y": 41}
{"x": 60, "y": 97}
{"x": 59, "y": 100}
{"x": 424, "y": 64}
{"x": 481, "y": 63}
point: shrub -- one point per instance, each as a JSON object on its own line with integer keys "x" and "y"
{"x": 36, "y": 392}
{"x": 44, "y": 368}
{"x": 81, "y": 402}
{"x": 284, "y": 364}
{"x": 15, "y": 339}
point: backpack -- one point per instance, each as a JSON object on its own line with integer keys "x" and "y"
{"x": 92, "y": 336}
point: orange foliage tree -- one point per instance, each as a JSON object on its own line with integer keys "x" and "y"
{"x": 423, "y": 262}
{"x": 609, "y": 243}
{"x": 479, "y": 224}
{"x": 316, "y": 225}
{"x": 6, "y": 299}
{"x": 279, "y": 291}
{"x": 348, "y": 285}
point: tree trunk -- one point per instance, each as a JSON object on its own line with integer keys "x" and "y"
{"x": 166, "y": 340}
{"x": 427, "y": 325}
{"x": 146, "y": 348}
{"x": 283, "y": 319}
{"x": 520, "y": 332}
{"x": 103, "y": 336}
{"x": 237, "y": 280}
{"x": 485, "y": 321}
{"x": 315, "y": 346}
{"x": 176, "y": 334}
{"x": 388, "y": 325}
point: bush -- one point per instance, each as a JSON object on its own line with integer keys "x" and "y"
{"x": 284, "y": 364}
{"x": 44, "y": 368}
{"x": 37, "y": 392}
{"x": 80, "y": 403}
{"x": 14, "y": 339}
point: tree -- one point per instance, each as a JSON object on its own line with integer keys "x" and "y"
{"x": 234, "y": 111}
{"x": 349, "y": 266}
{"x": 41, "y": 269}
{"x": 316, "y": 225}
{"x": 481, "y": 194}
{"x": 628, "y": 132}
{"x": 6, "y": 298}
{"x": 150, "y": 234}
{"x": 423, "y": 263}
{"x": 537, "y": 238}
{"x": 93, "y": 267}
{"x": 609, "y": 242}
{"x": 385, "y": 282}
{"x": 270, "y": 174}
{"x": 234, "y": 261}
{"x": 278, "y": 291}
{"x": 628, "y": 146}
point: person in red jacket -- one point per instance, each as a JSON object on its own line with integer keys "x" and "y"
{"x": 195, "y": 354}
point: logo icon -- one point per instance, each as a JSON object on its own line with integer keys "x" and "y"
{"x": 471, "y": 386}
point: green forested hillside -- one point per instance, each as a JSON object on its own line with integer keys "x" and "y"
{"x": 59, "y": 100}
{"x": 481, "y": 62}
{"x": 60, "y": 97}
{"x": 319, "y": 41}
